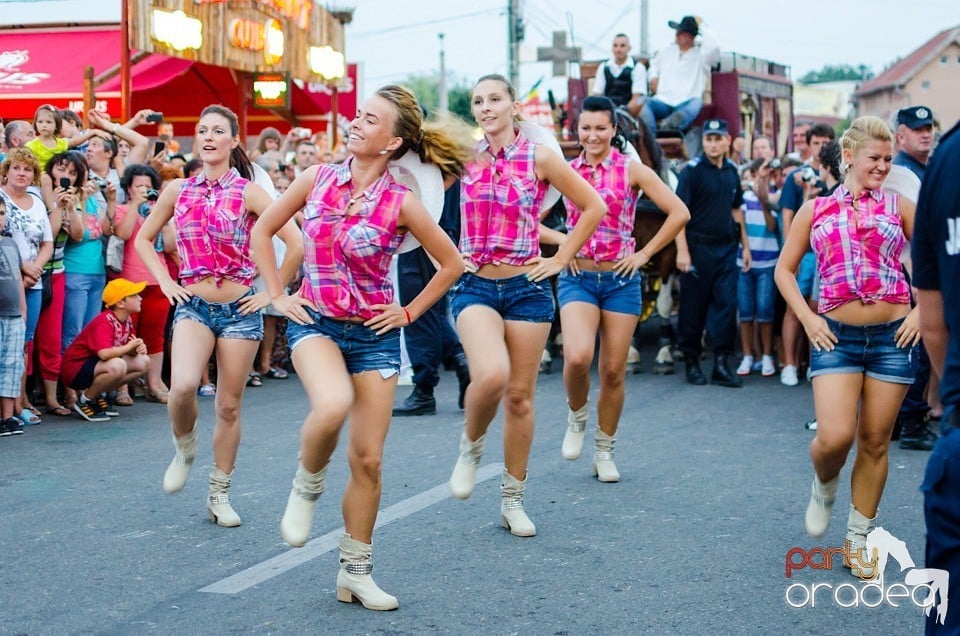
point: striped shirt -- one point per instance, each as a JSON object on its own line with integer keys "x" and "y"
{"x": 764, "y": 243}
{"x": 858, "y": 254}
{"x": 500, "y": 199}
{"x": 613, "y": 238}
{"x": 213, "y": 230}
{"x": 347, "y": 255}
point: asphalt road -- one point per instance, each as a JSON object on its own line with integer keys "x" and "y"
{"x": 693, "y": 539}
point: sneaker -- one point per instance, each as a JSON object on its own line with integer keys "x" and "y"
{"x": 788, "y": 376}
{"x": 746, "y": 365}
{"x": 11, "y": 426}
{"x": 89, "y": 411}
{"x": 105, "y": 407}
{"x": 768, "y": 367}
{"x": 207, "y": 390}
{"x": 811, "y": 425}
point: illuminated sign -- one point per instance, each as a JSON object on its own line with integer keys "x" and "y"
{"x": 176, "y": 29}
{"x": 297, "y": 10}
{"x": 253, "y": 36}
{"x": 326, "y": 62}
{"x": 271, "y": 90}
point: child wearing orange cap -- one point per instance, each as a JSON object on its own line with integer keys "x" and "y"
{"x": 106, "y": 354}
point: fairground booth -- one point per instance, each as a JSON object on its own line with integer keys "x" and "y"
{"x": 274, "y": 62}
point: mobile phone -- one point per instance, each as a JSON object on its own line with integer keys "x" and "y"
{"x": 65, "y": 183}
{"x": 155, "y": 118}
{"x": 158, "y": 147}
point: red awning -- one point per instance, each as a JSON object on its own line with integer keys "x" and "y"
{"x": 46, "y": 66}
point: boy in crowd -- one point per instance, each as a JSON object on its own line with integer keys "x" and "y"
{"x": 13, "y": 308}
{"x": 106, "y": 354}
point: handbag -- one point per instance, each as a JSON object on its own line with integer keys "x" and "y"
{"x": 46, "y": 296}
{"x": 114, "y": 253}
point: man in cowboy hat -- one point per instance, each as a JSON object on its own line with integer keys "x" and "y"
{"x": 678, "y": 76}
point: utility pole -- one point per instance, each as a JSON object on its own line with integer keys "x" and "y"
{"x": 514, "y": 36}
{"x": 645, "y": 28}
{"x": 443, "y": 106}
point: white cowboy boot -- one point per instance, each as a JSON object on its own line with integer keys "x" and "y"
{"x": 603, "y": 466}
{"x": 822, "y": 496}
{"x": 512, "y": 515}
{"x": 176, "y": 476}
{"x": 218, "y": 502}
{"x": 298, "y": 517}
{"x": 858, "y": 527}
{"x": 576, "y": 430}
{"x": 355, "y": 582}
{"x": 465, "y": 471}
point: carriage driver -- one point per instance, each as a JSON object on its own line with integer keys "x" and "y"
{"x": 621, "y": 79}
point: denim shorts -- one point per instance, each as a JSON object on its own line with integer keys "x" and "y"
{"x": 223, "y": 319}
{"x": 362, "y": 349}
{"x": 871, "y": 350}
{"x": 755, "y": 295}
{"x": 607, "y": 290}
{"x": 514, "y": 298}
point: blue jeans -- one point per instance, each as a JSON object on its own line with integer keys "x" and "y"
{"x": 34, "y": 303}
{"x": 868, "y": 349}
{"x": 514, "y": 298}
{"x": 755, "y": 295}
{"x": 654, "y": 110}
{"x": 607, "y": 290}
{"x": 81, "y": 304}
{"x": 362, "y": 349}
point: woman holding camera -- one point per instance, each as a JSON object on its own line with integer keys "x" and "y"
{"x": 864, "y": 333}
{"x": 141, "y": 182}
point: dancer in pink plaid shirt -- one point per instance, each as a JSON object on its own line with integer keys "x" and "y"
{"x": 504, "y": 304}
{"x": 601, "y": 290}
{"x": 217, "y": 309}
{"x": 344, "y": 332}
{"x": 865, "y": 335}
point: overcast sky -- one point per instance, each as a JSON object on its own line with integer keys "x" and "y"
{"x": 804, "y": 35}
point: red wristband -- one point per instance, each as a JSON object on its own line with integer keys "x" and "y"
{"x": 407, "y": 314}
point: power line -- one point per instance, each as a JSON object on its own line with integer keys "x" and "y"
{"x": 413, "y": 25}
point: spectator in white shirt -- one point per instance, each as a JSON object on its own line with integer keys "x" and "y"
{"x": 620, "y": 78}
{"x": 678, "y": 76}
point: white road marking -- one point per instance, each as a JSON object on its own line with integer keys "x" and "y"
{"x": 294, "y": 557}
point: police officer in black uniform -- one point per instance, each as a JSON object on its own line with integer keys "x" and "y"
{"x": 936, "y": 273}
{"x": 620, "y": 78}
{"x": 915, "y": 142}
{"x": 707, "y": 256}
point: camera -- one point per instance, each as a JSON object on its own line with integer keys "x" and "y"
{"x": 152, "y": 195}
{"x": 155, "y": 118}
{"x": 774, "y": 164}
{"x": 65, "y": 183}
{"x": 809, "y": 175}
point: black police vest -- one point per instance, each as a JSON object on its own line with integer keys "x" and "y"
{"x": 618, "y": 89}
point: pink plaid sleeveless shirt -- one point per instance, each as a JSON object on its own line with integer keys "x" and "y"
{"x": 500, "y": 198}
{"x": 213, "y": 230}
{"x": 347, "y": 257}
{"x": 613, "y": 238}
{"x": 858, "y": 255}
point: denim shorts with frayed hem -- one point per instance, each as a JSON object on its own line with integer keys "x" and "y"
{"x": 223, "y": 319}
{"x": 515, "y": 298}
{"x": 868, "y": 349}
{"x": 362, "y": 349}
{"x": 607, "y": 290}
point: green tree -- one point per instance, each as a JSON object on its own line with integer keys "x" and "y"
{"x": 427, "y": 89}
{"x": 841, "y": 72}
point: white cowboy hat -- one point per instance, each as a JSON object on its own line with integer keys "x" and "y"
{"x": 425, "y": 182}
{"x": 541, "y": 135}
